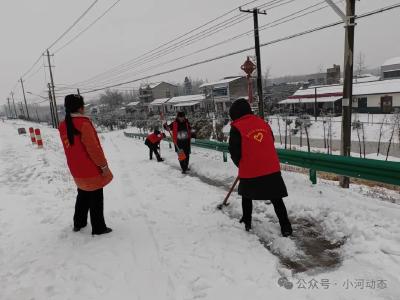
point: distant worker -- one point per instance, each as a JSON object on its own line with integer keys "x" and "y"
{"x": 153, "y": 142}
{"x": 181, "y": 136}
{"x": 87, "y": 163}
{"x": 252, "y": 149}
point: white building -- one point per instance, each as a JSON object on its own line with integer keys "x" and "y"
{"x": 381, "y": 96}
{"x": 391, "y": 68}
{"x": 188, "y": 103}
{"x": 160, "y": 105}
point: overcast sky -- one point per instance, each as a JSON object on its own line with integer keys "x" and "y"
{"x": 131, "y": 28}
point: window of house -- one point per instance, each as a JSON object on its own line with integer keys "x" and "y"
{"x": 391, "y": 74}
{"x": 220, "y": 92}
{"x": 362, "y": 102}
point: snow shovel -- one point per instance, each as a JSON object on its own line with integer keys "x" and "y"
{"x": 225, "y": 203}
{"x": 181, "y": 153}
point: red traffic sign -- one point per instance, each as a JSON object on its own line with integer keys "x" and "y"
{"x": 248, "y": 67}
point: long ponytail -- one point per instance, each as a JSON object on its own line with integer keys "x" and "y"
{"x": 71, "y": 130}
{"x": 72, "y": 104}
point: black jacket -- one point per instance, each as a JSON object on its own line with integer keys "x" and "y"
{"x": 183, "y": 144}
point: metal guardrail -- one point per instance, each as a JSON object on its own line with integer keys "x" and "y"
{"x": 369, "y": 169}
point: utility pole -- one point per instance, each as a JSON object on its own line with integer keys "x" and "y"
{"x": 15, "y": 109}
{"x": 53, "y": 92}
{"x": 23, "y": 93}
{"x": 53, "y": 122}
{"x": 9, "y": 107}
{"x": 315, "y": 104}
{"x": 37, "y": 115}
{"x": 5, "y": 110}
{"x": 79, "y": 93}
{"x": 255, "y": 13}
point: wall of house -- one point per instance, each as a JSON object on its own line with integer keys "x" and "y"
{"x": 374, "y": 103}
{"x": 165, "y": 90}
{"x": 385, "y": 69}
{"x": 238, "y": 88}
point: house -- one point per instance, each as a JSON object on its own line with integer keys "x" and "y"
{"x": 391, "y": 68}
{"x": 188, "y": 103}
{"x": 333, "y": 75}
{"x": 221, "y": 94}
{"x": 150, "y": 92}
{"x": 159, "y": 105}
{"x": 382, "y": 96}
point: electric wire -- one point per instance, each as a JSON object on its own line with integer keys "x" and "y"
{"x": 312, "y": 30}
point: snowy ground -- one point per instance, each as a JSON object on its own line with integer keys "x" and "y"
{"x": 169, "y": 241}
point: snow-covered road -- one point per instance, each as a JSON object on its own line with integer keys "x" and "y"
{"x": 169, "y": 241}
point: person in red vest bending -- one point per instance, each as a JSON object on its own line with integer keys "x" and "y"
{"x": 87, "y": 163}
{"x": 181, "y": 135}
{"x": 153, "y": 142}
{"x": 252, "y": 149}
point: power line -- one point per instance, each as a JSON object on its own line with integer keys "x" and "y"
{"x": 272, "y": 24}
{"x": 381, "y": 10}
{"x": 87, "y": 28}
{"x": 73, "y": 24}
{"x": 158, "y": 50}
{"x": 271, "y": 5}
{"x": 58, "y": 39}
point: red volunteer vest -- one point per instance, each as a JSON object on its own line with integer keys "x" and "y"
{"x": 259, "y": 157}
{"x": 175, "y": 130}
{"x": 78, "y": 160}
{"x": 154, "y": 138}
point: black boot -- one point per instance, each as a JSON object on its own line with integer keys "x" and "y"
{"x": 105, "y": 231}
{"x": 247, "y": 225}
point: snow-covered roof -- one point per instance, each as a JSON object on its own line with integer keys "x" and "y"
{"x": 135, "y": 103}
{"x": 311, "y": 100}
{"x": 188, "y": 98}
{"x": 363, "y": 88}
{"x": 154, "y": 84}
{"x": 186, "y": 104}
{"x": 158, "y": 102}
{"x": 366, "y": 78}
{"x": 221, "y": 82}
{"x": 150, "y": 85}
{"x": 392, "y": 61}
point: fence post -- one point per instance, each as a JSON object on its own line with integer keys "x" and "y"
{"x": 32, "y": 135}
{"x": 225, "y": 156}
{"x": 38, "y": 138}
{"x": 313, "y": 176}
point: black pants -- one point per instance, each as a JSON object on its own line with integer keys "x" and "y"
{"x": 185, "y": 163}
{"x": 93, "y": 202}
{"x": 154, "y": 149}
{"x": 279, "y": 207}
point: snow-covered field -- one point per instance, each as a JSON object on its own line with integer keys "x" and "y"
{"x": 169, "y": 241}
{"x": 376, "y": 127}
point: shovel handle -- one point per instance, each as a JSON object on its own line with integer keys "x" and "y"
{"x": 230, "y": 190}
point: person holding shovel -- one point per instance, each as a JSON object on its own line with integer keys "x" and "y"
{"x": 181, "y": 133}
{"x": 153, "y": 142}
{"x": 252, "y": 149}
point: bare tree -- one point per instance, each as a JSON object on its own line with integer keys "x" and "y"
{"x": 324, "y": 127}
{"x": 380, "y": 135}
{"x": 396, "y": 120}
{"x": 357, "y": 126}
{"x": 279, "y": 129}
{"x": 360, "y": 64}
{"x": 307, "y": 124}
{"x": 363, "y": 137}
